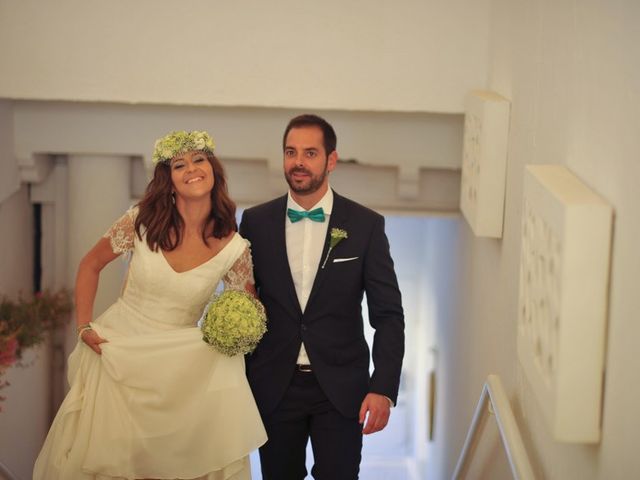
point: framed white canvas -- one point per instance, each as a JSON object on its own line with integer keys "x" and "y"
{"x": 484, "y": 162}
{"x": 562, "y": 310}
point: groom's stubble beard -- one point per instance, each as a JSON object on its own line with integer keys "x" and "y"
{"x": 312, "y": 185}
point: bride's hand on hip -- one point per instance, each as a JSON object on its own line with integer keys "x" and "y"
{"x": 93, "y": 340}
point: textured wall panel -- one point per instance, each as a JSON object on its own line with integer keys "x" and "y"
{"x": 564, "y": 267}
{"x": 484, "y": 162}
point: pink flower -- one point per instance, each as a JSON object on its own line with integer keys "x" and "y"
{"x": 8, "y": 353}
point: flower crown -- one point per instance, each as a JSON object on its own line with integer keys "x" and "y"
{"x": 176, "y": 143}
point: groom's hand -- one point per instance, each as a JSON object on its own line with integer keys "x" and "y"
{"x": 378, "y": 409}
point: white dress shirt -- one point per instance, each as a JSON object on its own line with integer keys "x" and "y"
{"x": 305, "y": 241}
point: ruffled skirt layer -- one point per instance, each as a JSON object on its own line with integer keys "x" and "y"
{"x": 159, "y": 404}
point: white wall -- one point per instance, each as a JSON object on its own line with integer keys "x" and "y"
{"x": 408, "y": 55}
{"x": 573, "y": 74}
{"x": 30, "y": 419}
{"x": 16, "y": 266}
{"x": 9, "y": 180}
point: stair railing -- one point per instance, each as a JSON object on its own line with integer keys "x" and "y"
{"x": 493, "y": 400}
{"x": 5, "y": 473}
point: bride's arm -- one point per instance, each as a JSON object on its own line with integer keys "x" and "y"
{"x": 119, "y": 239}
{"x": 240, "y": 275}
{"x": 251, "y": 288}
{"x": 86, "y": 287}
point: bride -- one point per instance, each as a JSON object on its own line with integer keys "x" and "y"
{"x": 149, "y": 399}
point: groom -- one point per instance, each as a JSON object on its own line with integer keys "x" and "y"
{"x": 315, "y": 254}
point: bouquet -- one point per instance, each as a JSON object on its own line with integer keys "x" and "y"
{"x": 234, "y": 322}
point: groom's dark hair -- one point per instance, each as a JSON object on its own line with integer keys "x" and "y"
{"x": 309, "y": 120}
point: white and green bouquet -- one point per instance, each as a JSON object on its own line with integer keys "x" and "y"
{"x": 234, "y": 322}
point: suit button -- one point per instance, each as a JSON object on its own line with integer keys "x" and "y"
{"x": 304, "y": 328}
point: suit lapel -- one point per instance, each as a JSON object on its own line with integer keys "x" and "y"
{"x": 337, "y": 219}
{"x": 279, "y": 244}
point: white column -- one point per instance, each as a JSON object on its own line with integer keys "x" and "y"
{"x": 99, "y": 193}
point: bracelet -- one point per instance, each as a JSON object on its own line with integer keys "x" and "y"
{"x": 82, "y": 328}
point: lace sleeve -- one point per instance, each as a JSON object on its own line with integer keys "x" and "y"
{"x": 240, "y": 273}
{"x": 122, "y": 232}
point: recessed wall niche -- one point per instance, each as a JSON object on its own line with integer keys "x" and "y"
{"x": 564, "y": 266}
{"x": 393, "y": 161}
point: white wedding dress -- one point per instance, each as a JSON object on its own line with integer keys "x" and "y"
{"x": 159, "y": 403}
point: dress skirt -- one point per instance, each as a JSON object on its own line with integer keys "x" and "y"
{"x": 159, "y": 403}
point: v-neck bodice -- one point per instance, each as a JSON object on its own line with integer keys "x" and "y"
{"x": 160, "y": 294}
{"x": 210, "y": 259}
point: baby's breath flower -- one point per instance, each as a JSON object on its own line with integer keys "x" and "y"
{"x": 234, "y": 322}
{"x": 337, "y": 235}
{"x": 200, "y": 143}
{"x": 176, "y": 143}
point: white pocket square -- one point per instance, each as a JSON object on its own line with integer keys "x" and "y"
{"x": 338, "y": 260}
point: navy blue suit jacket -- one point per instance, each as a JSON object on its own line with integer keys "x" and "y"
{"x": 332, "y": 325}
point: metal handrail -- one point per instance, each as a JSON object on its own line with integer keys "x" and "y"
{"x": 5, "y": 473}
{"x": 494, "y": 400}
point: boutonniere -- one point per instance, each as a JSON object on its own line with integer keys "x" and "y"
{"x": 337, "y": 235}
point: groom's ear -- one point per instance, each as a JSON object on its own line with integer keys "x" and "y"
{"x": 332, "y": 160}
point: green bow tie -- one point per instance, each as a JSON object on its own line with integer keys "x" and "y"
{"x": 316, "y": 215}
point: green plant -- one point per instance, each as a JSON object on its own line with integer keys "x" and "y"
{"x": 27, "y": 322}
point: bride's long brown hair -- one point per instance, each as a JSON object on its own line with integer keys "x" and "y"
{"x": 159, "y": 219}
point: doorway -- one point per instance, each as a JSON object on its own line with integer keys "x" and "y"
{"x": 424, "y": 252}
